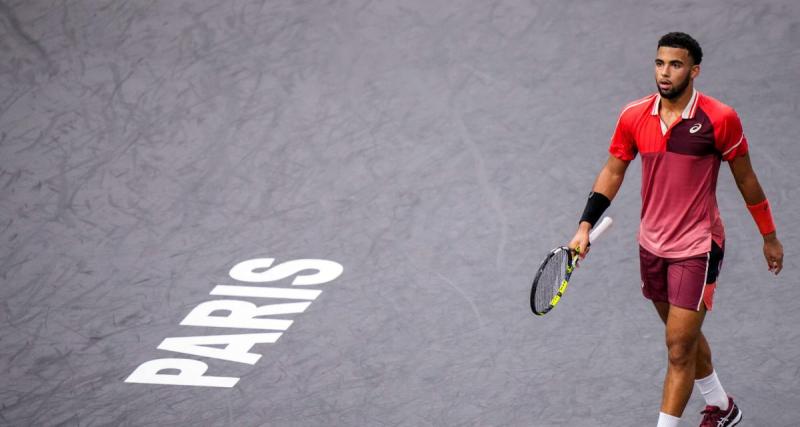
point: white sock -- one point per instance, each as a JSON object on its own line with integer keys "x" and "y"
{"x": 667, "y": 420}
{"x": 712, "y": 391}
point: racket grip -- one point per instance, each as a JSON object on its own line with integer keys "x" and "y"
{"x": 600, "y": 228}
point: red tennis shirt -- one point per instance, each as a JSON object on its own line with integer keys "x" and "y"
{"x": 680, "y": 164}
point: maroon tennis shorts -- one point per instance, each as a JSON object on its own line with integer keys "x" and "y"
{"x": 684, "y": 282}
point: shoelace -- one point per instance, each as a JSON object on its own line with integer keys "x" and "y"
{"x": 711, "y": 416}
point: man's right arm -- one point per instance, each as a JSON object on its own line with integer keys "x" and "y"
{"x": 608, "y": 182}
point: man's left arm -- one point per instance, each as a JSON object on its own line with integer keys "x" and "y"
{"x": 758, "y": 205}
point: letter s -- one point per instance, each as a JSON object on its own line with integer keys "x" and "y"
{"x": 248, "y": 271}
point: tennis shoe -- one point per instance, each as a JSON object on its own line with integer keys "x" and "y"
{"x": 715, "y": 417}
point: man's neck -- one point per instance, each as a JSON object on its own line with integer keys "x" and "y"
{"x": 677, "y": 105}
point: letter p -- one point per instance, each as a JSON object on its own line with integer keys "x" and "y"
{"x": 190, "y": 372}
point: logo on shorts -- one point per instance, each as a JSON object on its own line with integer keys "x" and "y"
{"x": 695, "y": 128}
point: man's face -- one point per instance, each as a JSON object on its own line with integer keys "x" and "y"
{"x": 675, "y": 69}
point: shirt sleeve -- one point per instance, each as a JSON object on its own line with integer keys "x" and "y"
{"x": 623, "y": 146}
{"x": 729, "y": 137}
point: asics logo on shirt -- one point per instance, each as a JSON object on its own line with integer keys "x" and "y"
{"x": 695, "y": 128}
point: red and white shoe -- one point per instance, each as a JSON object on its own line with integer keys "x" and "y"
{"x": 715, "y": 417}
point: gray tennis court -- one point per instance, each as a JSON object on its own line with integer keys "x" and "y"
{"x": 435, "y": 150}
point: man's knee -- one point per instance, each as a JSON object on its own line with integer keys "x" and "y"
{"x": 681, "y": 350}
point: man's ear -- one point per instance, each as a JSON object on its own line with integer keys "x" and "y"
{"x": 695, "y": 71}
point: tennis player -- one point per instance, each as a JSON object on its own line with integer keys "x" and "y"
{"x": 682, "y": 136}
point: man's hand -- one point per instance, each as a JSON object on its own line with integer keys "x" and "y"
{"x": 580, "y": 242}
{"x": 773, "y": 253}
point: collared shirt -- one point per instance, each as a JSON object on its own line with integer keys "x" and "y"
{"x": 680, "y": 165}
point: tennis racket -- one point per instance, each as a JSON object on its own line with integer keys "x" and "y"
{"x": 553, "y": 276}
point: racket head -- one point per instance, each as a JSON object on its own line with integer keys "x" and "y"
{"x": 551, "y": 280}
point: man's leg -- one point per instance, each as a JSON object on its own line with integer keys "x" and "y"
{"x": 682, "y": 338}
{"x": 703, "y": 365}
{"x": 706, "y": 378}
{"x": 707, "y": 382}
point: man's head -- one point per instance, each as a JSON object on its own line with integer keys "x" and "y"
{"x": 677, "y": 64}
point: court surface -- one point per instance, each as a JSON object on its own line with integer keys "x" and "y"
{"x": 434, "y": 149}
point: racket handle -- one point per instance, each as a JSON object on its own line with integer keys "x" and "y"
{"x": 600, "y": 228}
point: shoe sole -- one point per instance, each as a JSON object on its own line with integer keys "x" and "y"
{"x": 737, "y": 419}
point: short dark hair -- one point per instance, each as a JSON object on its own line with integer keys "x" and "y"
{"x": 683, "y": 41}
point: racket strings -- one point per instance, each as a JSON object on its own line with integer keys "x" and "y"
{"x": 553, "y": 274}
